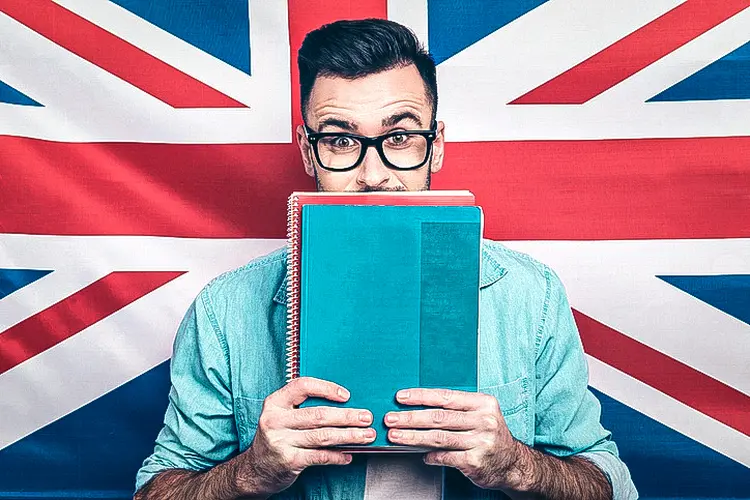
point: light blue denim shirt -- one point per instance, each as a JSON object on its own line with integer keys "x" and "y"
{"x": 229, "y": 355}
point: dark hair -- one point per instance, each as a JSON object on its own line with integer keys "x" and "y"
{"x": 354, "y": 49}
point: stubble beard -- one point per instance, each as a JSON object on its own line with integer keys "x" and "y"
{"x": 371, "y": 189}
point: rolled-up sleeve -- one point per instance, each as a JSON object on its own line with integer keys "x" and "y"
{"x": 199, "y": 428}
{"x": 567, "y": 413}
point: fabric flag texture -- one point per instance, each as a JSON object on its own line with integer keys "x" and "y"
{"x": 146, "y": 146}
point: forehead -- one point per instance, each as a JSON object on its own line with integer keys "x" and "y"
{"x": 370, "y": 98}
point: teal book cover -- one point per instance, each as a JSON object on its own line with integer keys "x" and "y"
{"x": 389, "y": 299}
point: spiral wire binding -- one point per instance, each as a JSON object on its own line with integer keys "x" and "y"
{"x": 293, "y": 288}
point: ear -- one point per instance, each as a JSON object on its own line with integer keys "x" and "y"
{"x": 438, "y": 148}
{"x": 305, "y": 150}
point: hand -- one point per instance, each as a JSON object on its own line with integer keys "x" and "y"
{"x": 290, "y": 439}
{"x": 466, "y": 429}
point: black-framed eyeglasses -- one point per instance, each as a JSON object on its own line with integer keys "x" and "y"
{"x": 399, "y": 150}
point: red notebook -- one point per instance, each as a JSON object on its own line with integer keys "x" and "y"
{"x": 294, "y": 225}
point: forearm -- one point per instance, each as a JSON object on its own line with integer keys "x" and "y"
{"x": 219, "y": 483}
{"x": 537, "y": 475}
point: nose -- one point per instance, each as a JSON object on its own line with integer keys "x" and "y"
{"x": 372, "y": 172}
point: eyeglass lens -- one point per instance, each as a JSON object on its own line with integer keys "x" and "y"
{"x": 401, "y": 150}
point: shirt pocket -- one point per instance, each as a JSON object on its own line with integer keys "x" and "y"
{"x": 513, "y": 399}
{"x": 247, "y": 411}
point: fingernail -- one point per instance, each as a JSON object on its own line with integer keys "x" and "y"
{"x": 343, "y": 393}
{"x": 364, "y": 417}
{"x": 402, "y": 395}
{"x": 348, "y": 458}
{"x": 369, "y": 433}
{"x": 396, "y": 433}
{"x": 391, "y": 418}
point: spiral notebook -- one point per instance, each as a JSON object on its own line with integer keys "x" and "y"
{"x": 383, "y": 294}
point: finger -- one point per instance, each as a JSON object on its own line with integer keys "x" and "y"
{"x": 325, "y": 416}
{"x": 299, "y": 389}
{"x": 445, "y": 458}
{"x": 436, "y": 418}
{"x": 444, "y": 398}
{"x": 440, "y": 439}
{"x": 324, "y": 457}
{"x": 332, "y": 436}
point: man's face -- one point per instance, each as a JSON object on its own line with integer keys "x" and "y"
{"x": 385, "y": 102}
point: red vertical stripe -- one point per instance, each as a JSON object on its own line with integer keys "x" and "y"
{"x": 307, "y": 15}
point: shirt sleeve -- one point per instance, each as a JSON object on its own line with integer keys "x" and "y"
{"x": 568, "y": 414}
{"x": 199, "y": 428}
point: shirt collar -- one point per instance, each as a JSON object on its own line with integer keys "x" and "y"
{"x": 491, "y": 271}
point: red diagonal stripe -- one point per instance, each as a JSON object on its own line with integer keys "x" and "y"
{"x": 666, "y": 374}
{"x": 72, "y": 314}
{"x": 115, "y": 55}
{"x": 628, "y": 56}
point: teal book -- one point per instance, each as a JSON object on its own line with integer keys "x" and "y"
{"x": 388, "y": 299}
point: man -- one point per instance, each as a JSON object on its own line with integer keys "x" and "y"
{"x": 233, "y": 429}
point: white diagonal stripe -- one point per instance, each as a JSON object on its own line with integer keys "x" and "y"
{"x": 84, "y": 103}
{"x": 615, "y": 282}
{"x": 476, "y": 84}
{"x": 670, "y": 412}
{"x": 122, "y": 346}
{"x": 540, "y": 45}
{"x": 42, "y": 293}
{"x": 267, "y": 52}
{"x": 680, "y": 64}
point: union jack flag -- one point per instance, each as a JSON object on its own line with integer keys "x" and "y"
{"x": 146, "y": 147}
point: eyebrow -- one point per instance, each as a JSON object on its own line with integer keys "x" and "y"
{"x": 338, "y": 122}
{"x": 405, "y": 115}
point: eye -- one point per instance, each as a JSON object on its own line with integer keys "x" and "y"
{"x": 342, "y": 142}
{"x": 338, "y": 143}
{"x": 398, "y": 139}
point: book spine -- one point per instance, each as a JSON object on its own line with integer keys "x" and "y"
{"x": 293, "y": 288}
